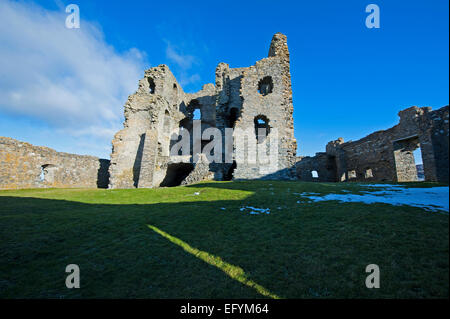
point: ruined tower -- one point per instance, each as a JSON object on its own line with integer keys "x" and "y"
{"x": 254, "y": 103}
{"x": 261, "y": 95}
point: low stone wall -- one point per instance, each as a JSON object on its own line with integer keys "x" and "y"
{"x": 387, "y": 156}
{"x": 323, "y": 166}
{"x": 23, "y": 165}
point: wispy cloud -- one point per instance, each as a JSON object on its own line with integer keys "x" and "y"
{"x": 70, "y": 79}
{"x": 184, "y": 62}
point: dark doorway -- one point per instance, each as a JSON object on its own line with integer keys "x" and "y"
{"x": 176, "y": 173}
{"x": 229, "y": 174}
{"x": 234, "y": 114}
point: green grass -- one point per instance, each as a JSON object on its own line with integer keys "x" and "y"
{"x": 171, "y": 243}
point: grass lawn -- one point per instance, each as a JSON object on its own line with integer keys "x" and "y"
{"x": 195, "y": 242}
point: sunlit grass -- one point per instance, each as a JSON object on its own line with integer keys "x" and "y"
{"x": 233, "y": 271}
{"x": 299, "y": 250}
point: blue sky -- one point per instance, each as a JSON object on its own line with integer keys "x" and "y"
{"x": 347, "y": 80}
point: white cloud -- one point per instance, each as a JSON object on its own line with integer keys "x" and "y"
{"x": 70, "y": 79}
{"x": 184, "y": 62}
{"x": 185, "y": 79}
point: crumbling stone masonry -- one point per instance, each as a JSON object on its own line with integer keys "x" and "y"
{"x": 246, "y": 100}
{"x": 387, "y": 155}
{"x": 23, "y": 165}
{"x": 249, "y": 98}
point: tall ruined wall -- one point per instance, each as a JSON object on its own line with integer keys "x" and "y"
{"x": 228, "y": 112}
{"x": 23, "y": 165}
{"x": 388, "y": 155}
{"x": 266, "y": 94}
{"x": 141, "y": 150}
{"x": 437, "y": 125}
{"x": 159, "y": 108}
{"x": 153, "y": 106}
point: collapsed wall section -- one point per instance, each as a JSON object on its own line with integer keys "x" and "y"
{"x": 141, "y": 155}
{"x": 23, "y": 165}
{"x": 389, "y": 155}
{"x": 154, "y": 107}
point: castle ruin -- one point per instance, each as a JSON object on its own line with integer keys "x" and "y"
{"x": 386, "y": 156}
{"x": 255, "y": 104}
{"x": 245, "y": 99}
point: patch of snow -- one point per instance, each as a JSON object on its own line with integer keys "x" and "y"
{"x": 433, "y": 199}
{"x": 255, "y": 211}
{"x": 306, "y": 194}
{"x": 382, "y": 185}
{"x": 386, "y": 186}
{"x": 308, "y": 201}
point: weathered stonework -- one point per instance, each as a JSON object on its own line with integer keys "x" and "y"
{"x": 200, "y": 173}
{"x": 243, "y": 101}
{"x": 322, "y": 164}
{"x": 387, "y": 155}
{"x": 241, "y": 98}
{"x": 23, "y": 165}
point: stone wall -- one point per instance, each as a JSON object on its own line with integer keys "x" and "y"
{"x": 255, "y": 103}
{"x": 266, "y": 96}
{"x": 323, "y": 165}
{"x": 200, "y": 172}
{"x": 241, "y": 96}
{"x": 159, "y": 108}
{"x": 23, "y": 165}
{"x": 388, "y": 155}
{"x": 437, "y": 123}
{"x": 152, "y": 108}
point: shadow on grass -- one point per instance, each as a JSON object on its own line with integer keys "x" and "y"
{"x": 308, "y": 250}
